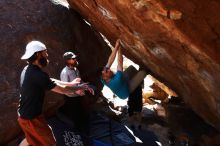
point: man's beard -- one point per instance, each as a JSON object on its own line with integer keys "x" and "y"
{"x": 43, "y": 61}
{"x": 72, "y": 66}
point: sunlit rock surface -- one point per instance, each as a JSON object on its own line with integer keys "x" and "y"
{"x": 178, "y": 41}
{"x": 60, "y": 29}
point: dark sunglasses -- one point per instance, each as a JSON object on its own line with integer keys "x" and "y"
{"x": 105, "y": 69}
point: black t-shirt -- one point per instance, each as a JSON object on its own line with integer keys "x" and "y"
{"x": 33, "y": 88}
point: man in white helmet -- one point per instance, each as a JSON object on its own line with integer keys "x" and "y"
{"x": 34, "y": 84}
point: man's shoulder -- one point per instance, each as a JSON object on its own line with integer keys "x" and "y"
{"x": 64, "y": 70}
{"x": 34, "y": 70}
{"x": 119, "y": 73}
{"x": 117, "y": 77}
{"x": 34, "y": 74}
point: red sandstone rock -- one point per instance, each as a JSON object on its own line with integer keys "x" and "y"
{"x": 181, "y": 49}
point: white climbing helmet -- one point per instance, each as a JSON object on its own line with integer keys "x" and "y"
{"x": 32, "y": 47}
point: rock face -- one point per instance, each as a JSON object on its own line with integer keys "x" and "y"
{"x": 178, "y": 41}
{"x": 61, "y": 29}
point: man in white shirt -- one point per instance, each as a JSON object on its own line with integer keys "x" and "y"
{"x": 73, "y": 108}
{"x": 69, "y": 72}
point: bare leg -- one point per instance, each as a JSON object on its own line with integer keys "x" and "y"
{"x": 134, "y": 77}
{"x": 24, "y": 142}
{"x": 136, "y": 80}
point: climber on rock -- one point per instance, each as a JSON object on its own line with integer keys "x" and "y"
{"x": 123, "y": 85}
{"x": 116, "y": 82}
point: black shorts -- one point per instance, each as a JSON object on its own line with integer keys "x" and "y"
{"x": 135, "y": 102}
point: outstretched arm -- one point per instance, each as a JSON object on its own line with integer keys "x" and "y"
{"x": 72, "y": 88}
{"x": 63, "y": 83}
{"x": 71, "y": 91}
{"x": 113, "y": 54}
{"x": 120, "y": 60}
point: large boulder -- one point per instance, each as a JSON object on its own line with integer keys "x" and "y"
{"x": 178, "y": 41}
{"x": 61, "y": 29}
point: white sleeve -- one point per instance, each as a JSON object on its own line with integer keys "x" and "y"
{"x": 22, "y": 75}
{"x": 64, "y": 76}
